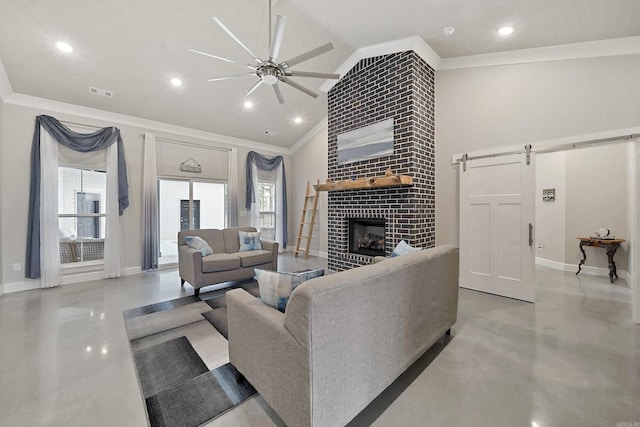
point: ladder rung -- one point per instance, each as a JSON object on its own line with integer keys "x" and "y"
{"x": 303, "y": 237}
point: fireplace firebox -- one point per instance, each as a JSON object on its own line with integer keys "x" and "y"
{"x": 367, "y": 236}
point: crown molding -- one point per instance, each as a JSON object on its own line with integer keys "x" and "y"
{"x": 92, "y": 113}
{"x": 414, "y": 43}
{"x": 5, "y": 85}
{"x": 592, "y": 49}
{"x": 323, "y": 123}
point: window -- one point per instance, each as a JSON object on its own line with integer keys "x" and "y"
{"x": 188, "y": 204}
{"x": 267, "y": 205}
{"x": 81, "y": 214}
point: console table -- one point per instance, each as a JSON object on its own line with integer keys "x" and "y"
{"x": 611, "y": 245}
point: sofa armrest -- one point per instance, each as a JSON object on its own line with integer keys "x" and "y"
{"x": 189, "y": 264}
{"x": 272, "y": 246}
{"x": 378, "y": 259}
{"x": 268, "y": 356}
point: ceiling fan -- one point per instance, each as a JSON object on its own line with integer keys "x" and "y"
{"x": 272, "y": 71}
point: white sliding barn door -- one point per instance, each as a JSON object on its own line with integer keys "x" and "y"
{"x": 496, "y": 226}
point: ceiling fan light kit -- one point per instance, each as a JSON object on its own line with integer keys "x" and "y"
{"x": 270, "y": 71}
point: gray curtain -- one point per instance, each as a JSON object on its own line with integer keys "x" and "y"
{"x": 267, "y": 163}
{"x": 84, "y": 143}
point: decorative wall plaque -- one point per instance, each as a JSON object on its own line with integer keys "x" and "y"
{"x": 190, "y": 165}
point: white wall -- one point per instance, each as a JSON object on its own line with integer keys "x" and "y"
{"x": 310, "y": 164}
{"x": 1, "y": 188}
{"x": 597, "y": 198}
{"x": 17, "y": 123}
{"x": 591, "y": 193}
{"x": 488, "y": 107}
{"x": 550, "y": 215}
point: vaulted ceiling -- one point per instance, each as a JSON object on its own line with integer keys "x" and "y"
{"x": 134, "y": 47}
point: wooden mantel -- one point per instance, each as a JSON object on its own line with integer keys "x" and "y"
{"x": 371, "y": 183}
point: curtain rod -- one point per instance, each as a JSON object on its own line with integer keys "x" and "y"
{"x": 160, "y": 139}
{"x": 188, "y": 144}
{"x": 66, "y": 122}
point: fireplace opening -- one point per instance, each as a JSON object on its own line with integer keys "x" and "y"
{"x": 366, "y": 236}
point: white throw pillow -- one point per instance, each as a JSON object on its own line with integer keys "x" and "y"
{"x": 249, "y": 240}
{"x": 199, "y": 244}
{"x": 403, "y": 248}
{"x": 276, "y": 288}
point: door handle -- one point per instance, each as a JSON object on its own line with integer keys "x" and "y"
{"x": 530, "y": 234}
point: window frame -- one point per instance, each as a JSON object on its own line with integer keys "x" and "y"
{"x": 82, "y": 262}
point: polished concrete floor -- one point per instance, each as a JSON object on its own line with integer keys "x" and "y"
{"x": 571, "y": 359}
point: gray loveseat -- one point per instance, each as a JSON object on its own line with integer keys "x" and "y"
{"x": 344, "y": 337}
{"x": 226, "y": 263}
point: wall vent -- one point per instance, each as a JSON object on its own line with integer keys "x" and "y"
{"x": 101, "y": 92}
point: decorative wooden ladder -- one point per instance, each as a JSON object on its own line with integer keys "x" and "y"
{"x": 303, "y": 220}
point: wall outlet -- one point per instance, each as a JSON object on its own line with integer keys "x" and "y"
{"x": 540, "y": 246}
{"x": 17, "y": 266}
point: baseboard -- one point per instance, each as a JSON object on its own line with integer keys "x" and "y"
{"x": 586, "y": 269}
{"x": 320, "y": 254}
{"x": 29, "y": 285}
{"x": 26, "y": 285}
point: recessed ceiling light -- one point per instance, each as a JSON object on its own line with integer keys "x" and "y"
{"x": 248, "y": 104}
{"x": 505, "y": 31}
{"x": 176, "y": 81}
{"x": 298, "y": 120}
{"x": 447, "y": 31}
{"x": 65, "y": 47}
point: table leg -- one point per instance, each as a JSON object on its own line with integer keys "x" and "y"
{"x": 584, "y": 258}
{"x": 613, "y": 271}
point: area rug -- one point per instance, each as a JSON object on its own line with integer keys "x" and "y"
{"x": 181, "y": 358}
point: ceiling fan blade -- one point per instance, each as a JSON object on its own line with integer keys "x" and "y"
{"x": 234, "y": 37}
{"x": 276, "y": 89}
{"x": 312, "y": 74}
{"x": 237, "y": 76}
{"x": 299, "y": 87}
{"x": 216, "y": 57}
{"x": 253, "y": 88}
{"x": 278, "y": 34}
{"x": 308, "y": 55}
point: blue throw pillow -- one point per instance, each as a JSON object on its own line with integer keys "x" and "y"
{"x": 249, "y": 240}
{"x": 403, "y": 248}
{"x": 276, "y": 288}
{"x": 199, "y": 244}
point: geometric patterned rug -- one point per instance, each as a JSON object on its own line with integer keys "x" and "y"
{"x": 181, "y": 358}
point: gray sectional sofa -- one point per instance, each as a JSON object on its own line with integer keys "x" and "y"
{"x": 226, "y": 263}
{"x": 344, "y": 337}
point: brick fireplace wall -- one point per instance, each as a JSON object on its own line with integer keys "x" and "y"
{"x": 399, "y": 86}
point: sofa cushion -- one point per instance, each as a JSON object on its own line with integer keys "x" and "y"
{"x": 403, "y": 248}
{"x": 199, "y": 244}
{"x": 220, "y": 262}
{"x": 276, "y": 288}
{"x": 249, "y": 241}
{"x": 231, "y": 239}
{"x": 251, "y": 258}
{"x": 212, "y": 236}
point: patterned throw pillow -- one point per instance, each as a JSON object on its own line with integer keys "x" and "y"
{"x": 276, "y": 288}
{"x": 249, "y": 240}
{"x": 199, "y": 244}
{"x": 403, "y": 248}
